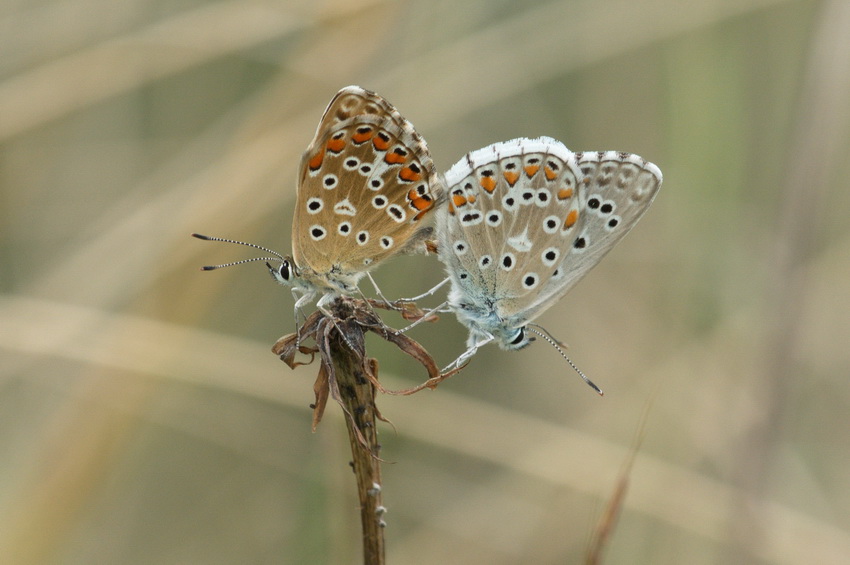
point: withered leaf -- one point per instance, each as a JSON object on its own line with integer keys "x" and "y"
{"x": 321, "y": 389}
{"x": 346, "y": 329}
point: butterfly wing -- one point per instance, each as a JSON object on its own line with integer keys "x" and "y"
{"x": 615, "y": 191}
{"x": 366, "y": 181}
{"x": 528, "y": 218}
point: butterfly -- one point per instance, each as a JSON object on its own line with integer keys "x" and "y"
{"x": 365, "y": 183}
{"x": 525, "y": 220}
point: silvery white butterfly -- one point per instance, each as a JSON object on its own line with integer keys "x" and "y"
{"x": 364, "y": 184}
{"x": 526, "y": 219}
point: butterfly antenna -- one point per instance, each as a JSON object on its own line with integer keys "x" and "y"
{"x": 547, "y": 332}
{"x": 564, "y": 355}
{"x": 214, "y": 267}
{"x": 277, "y": 256}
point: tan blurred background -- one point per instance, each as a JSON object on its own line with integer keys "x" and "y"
{"x": 143, "y": 418}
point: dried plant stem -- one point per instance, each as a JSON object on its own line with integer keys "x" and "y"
{"x": 357, "y": 395}
{"x": 350, "y": 377}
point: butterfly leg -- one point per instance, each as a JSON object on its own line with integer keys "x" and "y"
{"x": 466, "y": 355}
{"x": 423, "y": 318}
{"x": 389, "y": 305}
{"x": 367, "y": 304}
{"x": 392, "y": 305}
{"x": 377, "y": 290}
{"x": 323, "y": 303}
{"x": 427, "y": 293}
{"x": 301, "y": 297}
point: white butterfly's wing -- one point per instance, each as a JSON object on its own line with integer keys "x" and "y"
{"x": 616, "y": 190}
{"x": 512, "y": 208}
{"x": 527, "y": 218}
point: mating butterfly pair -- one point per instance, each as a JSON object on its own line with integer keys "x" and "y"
{"x": 518, "y": 222}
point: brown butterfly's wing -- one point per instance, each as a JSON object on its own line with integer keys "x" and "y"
{"x": 366, "y": 182}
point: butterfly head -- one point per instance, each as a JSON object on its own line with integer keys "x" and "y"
{"x": 508, "y": 339}
{"x": 286, "y": 273}
{"x": 485, "y": 326}
{"x": 518, "y": 340}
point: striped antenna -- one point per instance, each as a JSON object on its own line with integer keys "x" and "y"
{"x": 564, "y": 355}
{"x": 277, "y": 256}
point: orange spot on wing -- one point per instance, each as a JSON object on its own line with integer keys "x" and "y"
{"x": 531, "y": 170}
{"x": 336, "y": 145}
{"x": 511, "y": 177}
{"x": 360, "y": 137}
{"x": 565, "y": 193}
{"x": 316, "y": 162}
{"x": 380, "y": 144}
{"x": 394, "y": 158}
{"x": 458, "y": 200}
{"x": 550, "y": 174}
{"x": 451, "y": 209}
{"x": 572, "y": 217}
{"x": 471, "y": 199}
{"x": 488, "y": 184}
{"x": 421, "y": 204}
{"x": 407, "y": 174}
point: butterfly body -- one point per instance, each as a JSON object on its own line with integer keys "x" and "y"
{"x": 525, "y": 220}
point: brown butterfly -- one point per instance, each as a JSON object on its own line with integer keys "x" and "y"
{"x": 365, "y": 184}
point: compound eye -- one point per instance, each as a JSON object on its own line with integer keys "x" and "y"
{"x": 519, "y": 337}
{"x": 285, "y": 270}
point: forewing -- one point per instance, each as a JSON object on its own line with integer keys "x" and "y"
{"x": 366, "y": 181}
{"x": 513, "y": 206}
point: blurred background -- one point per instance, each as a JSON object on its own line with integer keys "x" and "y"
{"x": 143, "y": 418}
